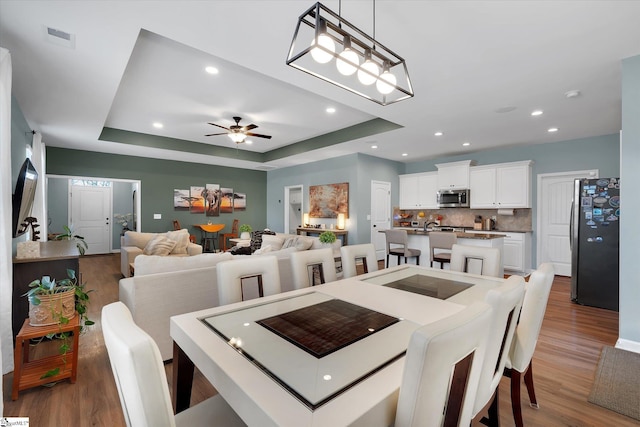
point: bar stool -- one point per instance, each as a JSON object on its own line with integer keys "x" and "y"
{"x": 232, "y": 235}
{"x": 399, "y": 239}
{"x": 442, "y": 240}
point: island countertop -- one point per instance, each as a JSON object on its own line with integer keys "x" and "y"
{"x": 460, "y": 235}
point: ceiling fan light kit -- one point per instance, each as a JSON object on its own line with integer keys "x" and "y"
{"x": 321, "y": 35}
{"x": 237, "y": 133}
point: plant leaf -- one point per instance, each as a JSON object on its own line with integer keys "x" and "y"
{"x": 51, "y": 373}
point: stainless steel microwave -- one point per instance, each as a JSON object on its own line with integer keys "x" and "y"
{"x": 453, "y": 198}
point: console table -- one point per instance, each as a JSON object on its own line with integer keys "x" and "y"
{"x": 55, "y": 258}
{"x": 340, "y": 234}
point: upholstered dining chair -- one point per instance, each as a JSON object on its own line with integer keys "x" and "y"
{"x": 536, "y": 295}
{"x": 442, "y": 370}
{"x": 476, "y": 259}
{"x": 247, "y": 277}
{"x": 440, "y": 244}
{"x": 397, "y": 245}
{"x": 313, "y": 267}
{"x": 177, "y": 227}
{"x": 351, "y": 254}
{"x": 224, "y": 237}
{"x": 141, "y": 379}
{"x": 506, "y": 301}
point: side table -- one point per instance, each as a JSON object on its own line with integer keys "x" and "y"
{"x": 28, "y": 373}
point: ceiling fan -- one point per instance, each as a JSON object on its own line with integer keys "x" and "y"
{"x": 238, "y": 133}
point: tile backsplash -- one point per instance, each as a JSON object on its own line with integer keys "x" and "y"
{"x": 464, "y": 217}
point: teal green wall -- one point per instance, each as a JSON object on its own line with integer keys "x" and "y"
{"x": 122, "y": 196}
{"x": 629, "y": 224}
{"x": 158, "y": 180}
{"x": 57, "y": 204}
{"x": 356, "y": 169}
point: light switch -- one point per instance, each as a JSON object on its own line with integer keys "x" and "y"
{"x": 157, "y": 216}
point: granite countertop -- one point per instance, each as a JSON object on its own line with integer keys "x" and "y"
{"x": 460, "y": 235}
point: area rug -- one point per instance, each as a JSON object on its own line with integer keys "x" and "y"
{"x": 617, "y": 383}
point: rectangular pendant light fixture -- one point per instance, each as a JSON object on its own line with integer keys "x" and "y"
{"x": 328, "y": 47}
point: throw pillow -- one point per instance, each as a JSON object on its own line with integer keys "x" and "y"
{"x": 263, "y": 249}
{"x": 303, "y": 243}
{"x": 181, "y": 237}
{"x": 159, "y": 245}
{"x": 275, "y": 242}
{"x": 256, "y": 238}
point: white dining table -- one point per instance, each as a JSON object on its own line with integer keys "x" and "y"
{"x": 269, "y": 379}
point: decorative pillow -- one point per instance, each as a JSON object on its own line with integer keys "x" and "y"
{"x": 289, "y": 242}
{"x": 303, "y": 243}
{"x": 181, "y": 237}
{"x": 275, "y": 242}
{"x": 263, "y": 249}
{"x": 256, "y": 238}
{"x": 159, "y": 245}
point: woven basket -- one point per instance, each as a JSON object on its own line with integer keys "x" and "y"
{"x": 52, "y": 307}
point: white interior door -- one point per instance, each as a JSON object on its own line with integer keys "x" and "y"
{"x": 293, "y": 201}
{"x": 91, "y": 217}
{"x": 380, "y": 215}
{"x": 555, "y": 193}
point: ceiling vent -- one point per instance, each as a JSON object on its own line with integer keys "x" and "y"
{"x": 59, "y": 37}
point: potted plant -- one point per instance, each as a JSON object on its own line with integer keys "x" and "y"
{"x": 68, "y": 235}
{"x": 245, "y": 231}
{"x": 327, "y": 237}
{"x": 57, "y": 302}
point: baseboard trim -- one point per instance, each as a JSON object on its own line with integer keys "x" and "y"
{"x": 628, "y": 345}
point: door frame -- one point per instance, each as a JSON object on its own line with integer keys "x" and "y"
{"x": 287, "y": 190}
{"x": 588, "y": 173}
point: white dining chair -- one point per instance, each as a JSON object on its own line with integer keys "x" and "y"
{"x": 247, "y": 277}
{"x": 506, "y": 301}
{"x": 309, "y": 268}
{"x": 141, "y": 379}
{"x": 440, "y": 244}
{"x": 351, "y": 254}
{"x": 519, "y": 362}
{"x": 476, "y": 260}
{"x": 397, "y": 245}
{"x": 442, "y": 370}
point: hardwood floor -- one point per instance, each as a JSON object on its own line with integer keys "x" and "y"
{"x": 564, "y": 367}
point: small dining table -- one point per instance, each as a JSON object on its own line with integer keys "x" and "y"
{"x": 205, "y": 241}
{"x": 332, "y": 354}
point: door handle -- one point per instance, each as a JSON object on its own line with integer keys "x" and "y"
{"x": 571, "y": 227}
{"x": 374, "y": 226}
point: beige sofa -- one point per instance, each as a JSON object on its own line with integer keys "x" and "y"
{"x": 167, "y": 286}
{"x": 133, "y": 244}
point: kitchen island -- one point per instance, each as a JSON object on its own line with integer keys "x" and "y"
{"x": 419, "y": 239}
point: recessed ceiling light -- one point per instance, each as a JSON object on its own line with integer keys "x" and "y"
{"x": 466, "y": 144}
{"x": 536, "y": 113}
{"x": 552, "y": 130}
{"x": 572, "y": 94}
{"x": 248, "y": 141}
{"x": 158, "y": 125}
{"x": 404, "y": 154}
{"x": 374, "y": 146}
{"x": 331, "y": 110}
{"x": 438, "y": 133}
{"x": 506, "y": 109}
{"x": 212, "y": 70}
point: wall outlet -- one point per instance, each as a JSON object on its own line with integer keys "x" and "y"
{"x": 157, "y": 216}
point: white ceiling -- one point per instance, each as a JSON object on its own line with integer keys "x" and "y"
{"x": 138, "y": 62}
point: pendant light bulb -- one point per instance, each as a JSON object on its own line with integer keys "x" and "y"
{"x": 370, "y": 66}
{"x": 387, "y": 81}
{"x": 322, "y": 39}
{"x": 348, "y": 62}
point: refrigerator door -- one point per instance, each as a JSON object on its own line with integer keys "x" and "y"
{"x": 596, "y": 213}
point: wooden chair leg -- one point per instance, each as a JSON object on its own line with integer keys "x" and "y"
{"x": 387, "y": 260}
{"x": 493, "y": 417}
{"x": 528, "y": 380}
{"x": 516, "y": 406}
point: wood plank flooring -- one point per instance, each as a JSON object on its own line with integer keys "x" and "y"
{"x": 564, "y": 367}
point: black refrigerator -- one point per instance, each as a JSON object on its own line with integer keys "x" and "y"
{"x": 595, "y": 229}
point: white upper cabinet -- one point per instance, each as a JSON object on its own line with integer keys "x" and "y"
{"x": 418, "y": 191}
{"x": 505, "y": 185}
{"x": 454, "y": 176}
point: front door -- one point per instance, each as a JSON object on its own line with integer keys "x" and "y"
{"x": 91, "y": 217}
{"x": 380, "y": 215}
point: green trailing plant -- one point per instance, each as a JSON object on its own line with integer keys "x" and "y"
{"x": 48, "y": 286}
{"x": 327, "y": 237}
{"x": 245, "y": 228}
{"x": 68, "y": 235}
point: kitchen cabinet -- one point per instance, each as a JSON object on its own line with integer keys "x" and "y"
{"x": 505, "y": 185}
{"x": 418, "y": 191}
{"x": 516, "y": 250}
{"x": 454, "y": 175}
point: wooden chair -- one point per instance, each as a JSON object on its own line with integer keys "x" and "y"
{"x": 141, "y": 379}
{"x": 351, "y": 254}
{"x": 476, "y": 260}
{"x": 226, "y": 236}
{"x": 536, "y": 295}
{"x": 176, "y": 227}
{"x": 305, "y": 265}
{"x": 397, "y": 245}
{"x": 242, "y": 279}
{"x": 439, "y": 241}
{"x": 442, "y": 370}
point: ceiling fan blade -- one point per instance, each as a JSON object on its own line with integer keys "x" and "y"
{"x": 214, "y": 134}
{"x": 213, "y": 124}
{"x": 249, "y": 127}
{"x": 258, "y": 135}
